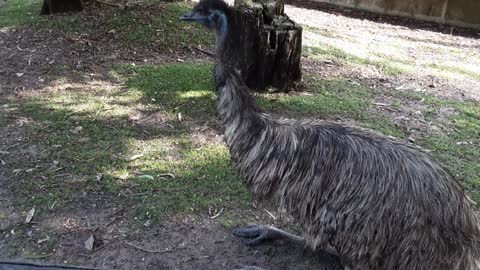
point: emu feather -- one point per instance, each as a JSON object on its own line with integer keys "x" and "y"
{"x": 381, "y": 203}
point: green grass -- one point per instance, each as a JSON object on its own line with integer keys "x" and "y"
{"x": 333, "y": 99}
{"x": 164, "y": 29}
{"x": 19, "y": 12}
{"x": 459, "y": 149}
{"x": 321, "y": 98}
{"x": 204, "y": 177}
{"x": 177, "y": 88}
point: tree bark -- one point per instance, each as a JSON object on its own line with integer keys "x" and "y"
{"x": 270, "y": 45}
{"x": 61, "y": 6}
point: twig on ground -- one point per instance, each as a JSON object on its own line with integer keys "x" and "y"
{"x": 204, "y": 51}
{"x": 42, "y": 256}
{"x": 270, "y": 214}
{"x": 217, "y": 214}
{"x": 11, "y": 146}
{"x": 149, "y": 250}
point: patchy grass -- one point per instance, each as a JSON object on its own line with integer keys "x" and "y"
{"x": 455, "y": 71}
{"x": 19, "y": 12}
{"x": 333, "y": 99}
{"x": 111, "y": 154}
{"x": 459, "y": 148}
{"x": 332, "y": 53}
{"x": 391, "y": 54}
{"x": 154, "y": 22}
{"x": 162, "y": 27}
{"x": 321, "y": 98}
{"x": 98, "y": 158}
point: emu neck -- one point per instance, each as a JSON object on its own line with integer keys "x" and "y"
{"x": 236, "y": 107}
{"x": 240, "y": 116}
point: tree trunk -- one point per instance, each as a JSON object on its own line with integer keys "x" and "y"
{"x": 60, "y": 6}
{"x": 271, "y": 45}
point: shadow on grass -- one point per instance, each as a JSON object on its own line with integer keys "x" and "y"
{"x": 150, "y": 22}
{"x": 178, "y": 88}
{"x": 91, "y": 146}
{"x": 136, "y": 162}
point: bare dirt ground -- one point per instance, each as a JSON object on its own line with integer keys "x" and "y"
{"x": 395, "y": 39}
{"x": 28, "y": 59}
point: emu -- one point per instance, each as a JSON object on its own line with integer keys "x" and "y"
{"x": 375, "y": 201}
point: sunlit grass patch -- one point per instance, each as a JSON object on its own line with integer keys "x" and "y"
{"x": 320, "y": 98}
{"x": 178, "y": 88}
{"x": 456, "y": 71}
{"x": 204, "y": 178}
{"x": 93, "y": 146}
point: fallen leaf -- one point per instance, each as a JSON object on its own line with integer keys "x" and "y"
{"x": 167, "y": 174}
{"x": 90, "y": 242}
{"x": 43, "y": 240}
{"x": 146, "y": 176}
{"x": 53, "y": 205}
{"x": 84, "y": 139}
{"x": 30, "y": 215}
{"x": 217, "y": 214}
{"x": 77, "y": 130}
{"x": 123, "y": 176}
{"x": 134, "y": 157}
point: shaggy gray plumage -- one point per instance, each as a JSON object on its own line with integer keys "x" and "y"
{"x": 381, "y": 203}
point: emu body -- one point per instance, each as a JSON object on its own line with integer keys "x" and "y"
{"x": 382, "y": 204}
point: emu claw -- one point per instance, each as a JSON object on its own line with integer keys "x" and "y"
{"x": 259, "y": 233}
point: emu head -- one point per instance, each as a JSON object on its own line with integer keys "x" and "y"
{"x": 210, "y": 13}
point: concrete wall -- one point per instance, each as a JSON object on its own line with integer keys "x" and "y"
{"x": 455, "y": 12}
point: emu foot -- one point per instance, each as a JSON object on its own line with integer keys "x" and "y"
{"x": 261, "y": 233}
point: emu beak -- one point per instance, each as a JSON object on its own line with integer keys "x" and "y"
{"x": 192, "y": 16}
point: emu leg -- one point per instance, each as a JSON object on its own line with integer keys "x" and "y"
{"x": 261, "y": 233}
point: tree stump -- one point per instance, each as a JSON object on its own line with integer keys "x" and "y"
{"x": 270, "y": 47}
{"x": 60, "y": 6}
